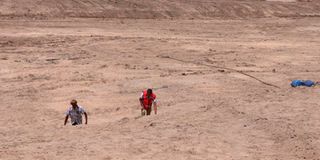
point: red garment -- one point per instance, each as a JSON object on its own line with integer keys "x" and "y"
{"x": 147, "y": 102}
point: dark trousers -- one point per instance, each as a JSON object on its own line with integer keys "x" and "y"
{"x": 146, "y": 111}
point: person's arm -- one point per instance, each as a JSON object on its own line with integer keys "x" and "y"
{"x": 86, "y": 117}
{"x": 141, "y": 102}
{"x": 66, "y": 119}
{"x": 155, "y": 107}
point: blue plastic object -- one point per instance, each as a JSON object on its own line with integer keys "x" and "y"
{"x": 296, "y": 83}
{"x": 308, "y": 83}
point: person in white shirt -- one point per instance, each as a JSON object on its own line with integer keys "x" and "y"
{"x": 75, "y": 112}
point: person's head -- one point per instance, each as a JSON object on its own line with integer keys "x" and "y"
{"x": 149, "y": 92}
{"x": 74, "y": 103}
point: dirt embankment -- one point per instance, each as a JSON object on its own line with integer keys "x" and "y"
{"x": 158, "y": 9}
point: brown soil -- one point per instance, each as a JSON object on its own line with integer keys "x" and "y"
{"x": 157, "y": 9}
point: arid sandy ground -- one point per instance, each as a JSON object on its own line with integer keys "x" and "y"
{"x": 205, "y": 112}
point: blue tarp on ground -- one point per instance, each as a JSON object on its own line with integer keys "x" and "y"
{"x": 308, "y": 83}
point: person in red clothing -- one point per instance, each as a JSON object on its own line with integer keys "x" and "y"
{"x": 147, "y": 100}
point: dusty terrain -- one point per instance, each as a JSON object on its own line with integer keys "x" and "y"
{"x": 207, "y": 110}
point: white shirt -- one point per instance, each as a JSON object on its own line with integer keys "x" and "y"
{"x": 75, "y": 114}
